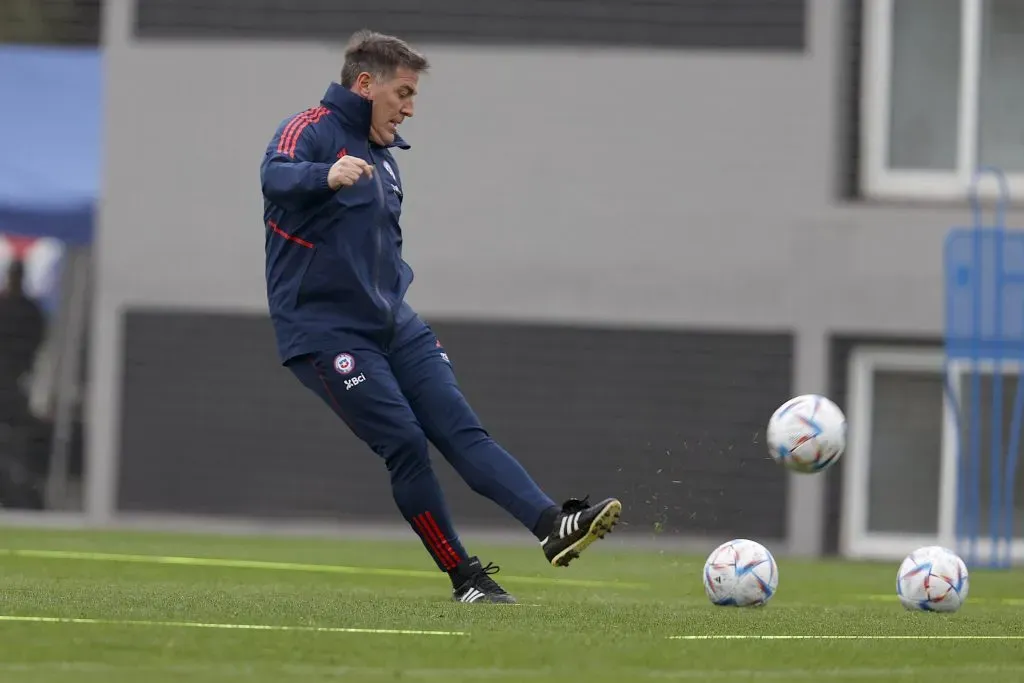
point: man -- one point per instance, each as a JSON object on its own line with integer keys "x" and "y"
{"x": 24, "y": 458}
{"x": 22, "y": 328}
{"x": 336, "y": 285}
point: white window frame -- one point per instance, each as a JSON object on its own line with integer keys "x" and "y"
{"x": 878, "y": 181}
{"x": 856, "y": 541}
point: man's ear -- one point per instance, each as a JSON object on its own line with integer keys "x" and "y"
{"x": 363, "y": 83}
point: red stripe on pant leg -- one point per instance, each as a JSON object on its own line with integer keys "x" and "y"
{"x": 432, "y": 543}
{"x": 443, "y": 551}
{"x": 444, "y": 539}
{"x": 436, "y": 542}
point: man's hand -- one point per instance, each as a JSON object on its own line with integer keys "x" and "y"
{"x": 347, "y": 171}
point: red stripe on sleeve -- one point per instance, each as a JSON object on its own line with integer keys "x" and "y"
{"x": 289, "y": 237}
{"x": 290, "y": 137}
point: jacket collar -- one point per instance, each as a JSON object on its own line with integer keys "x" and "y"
{"x": 355, "y": 112}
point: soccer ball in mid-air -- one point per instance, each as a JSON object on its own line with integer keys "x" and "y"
{"x": 932, "y": 579}
{"x": 740, "y": 573}
{"x": 807, "y": 433}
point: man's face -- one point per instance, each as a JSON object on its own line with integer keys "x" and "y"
{"x": 392, "y": 102}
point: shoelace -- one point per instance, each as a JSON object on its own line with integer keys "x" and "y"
{"x": 484, "y": 581}
{"x": 576, "y": 505}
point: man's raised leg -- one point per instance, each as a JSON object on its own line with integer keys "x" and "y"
{"x": 423, "y": 370}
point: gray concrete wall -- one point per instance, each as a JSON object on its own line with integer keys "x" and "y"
{"x": 573, "y": 185}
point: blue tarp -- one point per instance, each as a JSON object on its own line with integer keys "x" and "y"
{"x": 51, "y": 115}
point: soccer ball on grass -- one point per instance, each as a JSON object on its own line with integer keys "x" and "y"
{"x": 740, "y": 573}
{"x": 932, "y": 579}
{"x": 807, "y": 434}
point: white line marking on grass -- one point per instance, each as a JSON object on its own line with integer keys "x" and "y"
{"x": 224, "y": 670}
{"x": 835, "y": 637}
{"x": 887, "y": 674}
{"x": 288, "y": 566}
{"x": 234, "y": 627}
{"x": 289, "y": 672}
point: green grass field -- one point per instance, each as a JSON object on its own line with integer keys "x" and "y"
{"x": 154, "y": 608}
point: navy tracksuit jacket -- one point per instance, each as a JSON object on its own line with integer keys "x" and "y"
{"x": 336, "y": 285}
{"x": 334, "y": 259}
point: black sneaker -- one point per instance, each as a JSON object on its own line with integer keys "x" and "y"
{"x": 477, "y": 584}
{"x": 577, "y": 526}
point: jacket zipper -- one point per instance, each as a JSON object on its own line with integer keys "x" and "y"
{"x": 380, "y": 245}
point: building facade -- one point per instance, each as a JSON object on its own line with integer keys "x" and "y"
{"x": 637, "y": 235}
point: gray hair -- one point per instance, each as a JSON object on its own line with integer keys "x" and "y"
{"x": 379, "y": 55}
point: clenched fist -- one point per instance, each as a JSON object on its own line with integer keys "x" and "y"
{"x": 346, "y": 171}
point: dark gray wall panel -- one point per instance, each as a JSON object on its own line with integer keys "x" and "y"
{"x": 741, "y": 24}
{"x": 50, "y": 22}
{"x": 669, "y": 421}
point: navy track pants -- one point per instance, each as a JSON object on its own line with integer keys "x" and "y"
{"x": 395, "y": 401}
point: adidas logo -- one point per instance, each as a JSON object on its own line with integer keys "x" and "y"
{"x": 471, "y": 595}
{"x": 570, "y": 525}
